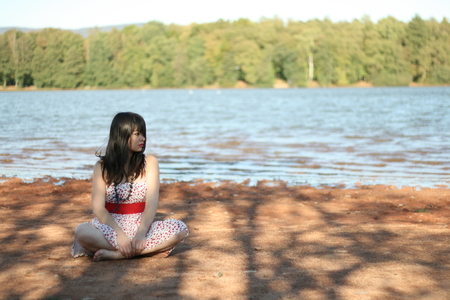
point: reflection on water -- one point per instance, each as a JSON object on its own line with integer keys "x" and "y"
{"x": 315, "y": 136}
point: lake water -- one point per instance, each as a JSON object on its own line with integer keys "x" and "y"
{"x": 330, "y": 136}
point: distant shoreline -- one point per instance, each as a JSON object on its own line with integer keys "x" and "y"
{"x": 240, "y": 85}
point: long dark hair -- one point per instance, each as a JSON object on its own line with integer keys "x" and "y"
{"x": 116, "y": 154}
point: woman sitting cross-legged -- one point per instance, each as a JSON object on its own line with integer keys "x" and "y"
{"x": 125, "y": 193}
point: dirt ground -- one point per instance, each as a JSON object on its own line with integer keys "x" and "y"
{"x": 269, "y": 241}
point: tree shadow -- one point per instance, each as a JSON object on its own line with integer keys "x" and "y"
{"x": 269, "y": 241}
{"x": 42, "y": 216}
{"x": 323, "y": 255}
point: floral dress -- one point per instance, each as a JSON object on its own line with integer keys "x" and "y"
{"x": 159, "y": 231}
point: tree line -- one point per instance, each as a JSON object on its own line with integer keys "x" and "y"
{"x": 388, "y": 52}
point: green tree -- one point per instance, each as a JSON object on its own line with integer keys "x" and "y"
{"x": 248, "y": 56}
{"x": 229, "y": 71}
{"x": 195, "y": 47}
{"x": 388, "y": 52}
{"x": 58, "y": 59}
{"x": 306, "y": 35}
{"x": 20, "y": 47}
{"x": 372, "y": 49}
{"x": 73, "y": 63}
{"x": 99, "y": 66}
{"x": 417, "y": 39}
{"x": 290, "y": 60}
{"x": 219, "y": 55}
{"x": 347, "y": 43}
{"x": 439, "y": 59}
{"x": 152, "y": 30}
{"x": 48, "y": 58}
{"x": 6, "y": 64}
{"x": 325, "y": 64}
{"x": 390, "y": 55}
{"x": 132, "y": 57}
{"x": 116, "y": 42}
{"x": 38, "y": 66}
{"x": 158, "y": 64}
{"x": 201, "y": 72}
{"x": 181, "y": 67}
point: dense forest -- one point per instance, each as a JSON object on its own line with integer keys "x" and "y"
{"x": 389, "y": 52}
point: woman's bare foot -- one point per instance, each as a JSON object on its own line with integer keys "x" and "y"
{"x": 104, "y": 254}
{"x": 163, "y": 254}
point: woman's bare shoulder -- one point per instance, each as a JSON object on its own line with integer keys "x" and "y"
{"x": 98, "y": 165}
{"x": 150, "y": 159}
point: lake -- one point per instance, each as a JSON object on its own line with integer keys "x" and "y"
{"x": 333, "y": 136}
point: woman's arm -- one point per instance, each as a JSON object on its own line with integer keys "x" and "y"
{"x": 151, "y": 203}
{"x": 98, "y": 207}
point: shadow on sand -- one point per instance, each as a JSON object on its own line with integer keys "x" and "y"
{"x": 265, "y": 242}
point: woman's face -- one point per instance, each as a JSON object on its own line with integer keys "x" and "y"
{"x": 137, "y": 141}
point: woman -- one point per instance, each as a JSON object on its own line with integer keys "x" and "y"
{"x": 125, "y": 193}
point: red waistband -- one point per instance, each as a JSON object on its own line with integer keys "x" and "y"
{"x": 124, "y": 209}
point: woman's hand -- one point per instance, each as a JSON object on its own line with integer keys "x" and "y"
{"x": 138, "y": 243}
{"x": 124, "y": 244}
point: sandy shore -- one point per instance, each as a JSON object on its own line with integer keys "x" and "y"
{"x": 247, "y": 242}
